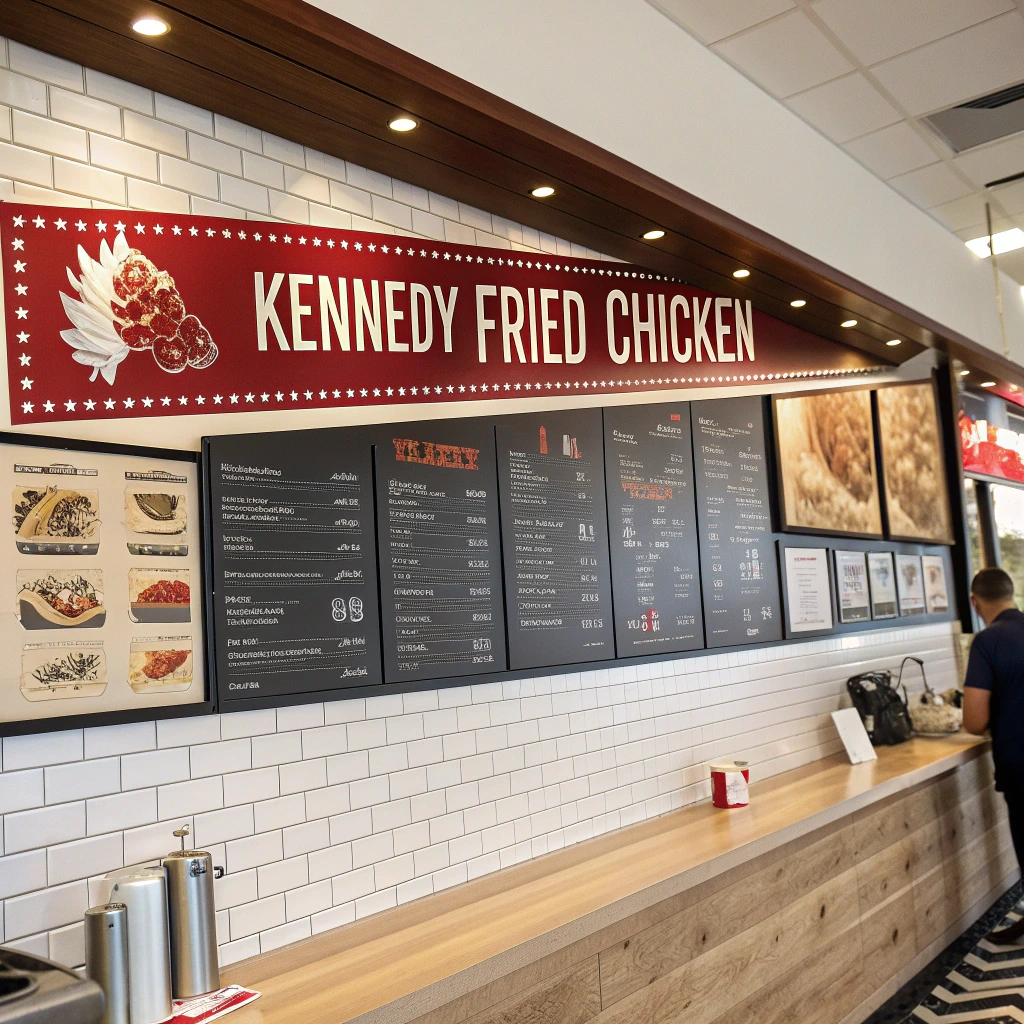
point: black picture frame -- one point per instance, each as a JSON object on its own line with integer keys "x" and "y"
{"x": 942, "y": 468}
{"x": 780, "y": 470}
{"x": 799, "y": 634}
{"x": 836, "y": 553}
{"x": 96, "y": 719}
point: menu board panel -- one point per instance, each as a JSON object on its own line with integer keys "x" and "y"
{"x": 739, "y": 571}
{"x": 554, "y": 526}
{"x": 294, "y": 566}
{"x": 439, "y": 547}
{"x": 104, "y": 583}
{"x": 653, "y": 529}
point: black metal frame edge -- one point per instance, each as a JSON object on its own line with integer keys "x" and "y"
{"x": 99, "y": 719}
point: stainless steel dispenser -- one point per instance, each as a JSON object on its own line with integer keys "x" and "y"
{"x": 144, "y": 892}
{"x": 106, "y": 958}
{"x": 193, "y": 922}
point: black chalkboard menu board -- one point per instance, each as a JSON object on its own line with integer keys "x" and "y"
{"x": 739, "y": 571}
{"x": 653, "y": 529}
{"x": 294, "y": 564}
{"x": 439, "y": 549}
{"x": 554, "y": 527}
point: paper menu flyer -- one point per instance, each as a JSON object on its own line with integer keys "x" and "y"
{"x": 201, "y": 1009}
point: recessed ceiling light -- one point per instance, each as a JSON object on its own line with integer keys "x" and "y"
{"x": 798, "y": 303}
{"x": 848, "y": 323}
{"x": 741, "y": 273}
{"x": 151, "y": 27}
{"x": 965, "y": 373}
{"x": 402, "y": 124}
{"x": 542, "y": 192}
{"x": 654, "y": 234}
{"x": 988, "y": 383}
{"x": 894, "y": 342}
{"x": 1015, "y": 388}
{"x": 1005, "y": 241}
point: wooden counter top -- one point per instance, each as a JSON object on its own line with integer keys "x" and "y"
{"x": 403, "y": 963}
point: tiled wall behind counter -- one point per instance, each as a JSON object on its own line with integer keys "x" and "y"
{"x": 325, "y": 813}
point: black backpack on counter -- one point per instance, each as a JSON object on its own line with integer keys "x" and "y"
{"x": 882, "y": 708}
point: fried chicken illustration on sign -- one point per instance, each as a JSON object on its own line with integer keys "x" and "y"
{"x": 125, "y": 304}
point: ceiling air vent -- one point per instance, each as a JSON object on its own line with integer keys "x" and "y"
{"x": 982, "y": 120}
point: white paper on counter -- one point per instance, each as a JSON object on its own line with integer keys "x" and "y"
{"x": 854, "y": 736}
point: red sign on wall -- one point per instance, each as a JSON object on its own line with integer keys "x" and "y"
{"x": 124, "y": 314}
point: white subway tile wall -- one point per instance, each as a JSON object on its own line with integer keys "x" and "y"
{"x": 326, "y": 813}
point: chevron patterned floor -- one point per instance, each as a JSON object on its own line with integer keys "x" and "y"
{"x": 971, "y": 982}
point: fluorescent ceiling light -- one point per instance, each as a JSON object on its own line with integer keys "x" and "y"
{"x": 1005, "y": 241}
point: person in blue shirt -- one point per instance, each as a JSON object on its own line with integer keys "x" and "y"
{"x": 994, "y": 701}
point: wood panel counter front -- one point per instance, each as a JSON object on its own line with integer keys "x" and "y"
{"x": 860, "y": 868}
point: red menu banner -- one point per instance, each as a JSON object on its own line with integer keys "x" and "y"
{"x": 124, "y": 314}
{"x": 991, "y": 451}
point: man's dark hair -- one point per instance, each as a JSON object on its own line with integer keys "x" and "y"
{"x": 993, "y": 585}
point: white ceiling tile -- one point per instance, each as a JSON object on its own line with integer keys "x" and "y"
{"x": 1010, "y": 197}
{"x": 996, "y": 160}
{"x": 978, "y": 230}
{"x": 713, "y": 21}
{"x": 930, "y": 186}
{"x": 961, "y": 213}
{"x": 877, "y": 29}
{"x": 958, "y": 68}
{"x": 845, "y": 108}
{"x": 891, "y": 151}
{"x": 786, "y": 55}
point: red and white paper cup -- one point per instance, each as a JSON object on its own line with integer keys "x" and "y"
{"x": 729, "y": 783}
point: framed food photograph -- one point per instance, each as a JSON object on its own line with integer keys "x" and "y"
{"x": 936, "y": 589}
{"x": 882, "y": 585}
{"x": 914, "y": 479}
{"x": 852, "y": 591}
{"x": 825, "y": 453}
{"x": 105, "y": 581}
{"x": 910, "y": 584}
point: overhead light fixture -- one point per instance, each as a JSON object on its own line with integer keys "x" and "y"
{"x": 848, "y": 323}
{"x": 402, "y": 124}
{"x": 894, "y": 342}
{"x": 654, "y": 234}
{"x": 1014, "y": 388}
{"x": 965, "y": 373}
{"x": 798, "y": 303}
{"x": 741, "y": 273}
{"x": 988, "y": 383}
{"x": 151, "y": 27}
{"x": 1004, "y": 241}
{"x": 542, "y": 192}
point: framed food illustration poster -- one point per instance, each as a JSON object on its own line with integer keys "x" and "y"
{"x": 825, "y": 446}
{"x": 913, "y": 466}
{"x": 882, "y": 584}
{"x": 103, "y": 575}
